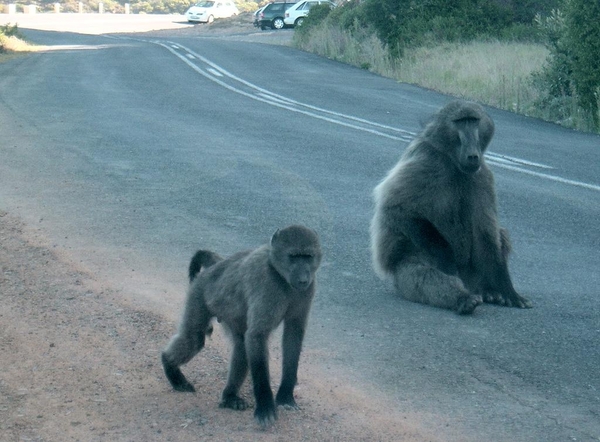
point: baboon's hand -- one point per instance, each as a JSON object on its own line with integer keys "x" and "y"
{"x": 507, "y": 300}
{"x": 265, "y": 415}
{"x": 287, "y": 402}
{"x": 516, "y": 300}
{"x": 466, "y": 304}
{"x": 234, "y": 402}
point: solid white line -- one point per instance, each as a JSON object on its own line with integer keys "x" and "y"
{"x": 272, "y": 99}
{"x": 508, "y": 160}
{"x": 272, "y": 103}
{"x": 214, "y": 72}
{"x": 546, "y": 176}
{"x": 308, "y": 106}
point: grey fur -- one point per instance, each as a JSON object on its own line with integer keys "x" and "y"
{"x": 435, "y": 228}
{"x": 250, "y": 293}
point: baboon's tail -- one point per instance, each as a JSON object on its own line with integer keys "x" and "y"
{"x": 201, "y": 260}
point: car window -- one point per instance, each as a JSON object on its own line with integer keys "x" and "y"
{"x": 205, "y": 4}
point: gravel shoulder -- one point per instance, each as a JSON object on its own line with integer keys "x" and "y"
{"x": 81, "y": 364}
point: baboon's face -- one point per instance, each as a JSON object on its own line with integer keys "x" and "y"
{"x": 469, "y": 150}
{"x": 296, "y": 255}
{"x": 302, "y": 268}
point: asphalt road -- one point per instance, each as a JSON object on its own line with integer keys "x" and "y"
{"x": 140, "y": 150}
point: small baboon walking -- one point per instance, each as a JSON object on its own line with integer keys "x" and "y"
{"x": 250, "y": 293}
{"x": 435, "y": 228}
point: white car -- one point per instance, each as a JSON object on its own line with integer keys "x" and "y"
{"x": 207, "y": 11}
{"x": 296, "y": 14}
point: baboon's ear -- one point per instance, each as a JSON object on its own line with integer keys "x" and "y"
{"x": 274, "y": 236}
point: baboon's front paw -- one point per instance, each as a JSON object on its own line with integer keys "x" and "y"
{"x": 287, "y": 402}
{"x": 175, "y": 376}
{"x": 518, "y": 301}
{"x": 265, "y": 416}
{"x": 234, "y": 402}
{"x": 185, "y": 387}
{"x": 494, "y": 298}
{"x": 467, "y": 304}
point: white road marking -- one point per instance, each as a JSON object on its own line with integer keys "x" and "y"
{"x": 273, "y": 99}
{"x": 547, "y": 176}
{"x": 512, "y": 160}
{"x": 214, "y": 72}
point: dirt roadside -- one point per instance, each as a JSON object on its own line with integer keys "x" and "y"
{"x": 80, "y": 364}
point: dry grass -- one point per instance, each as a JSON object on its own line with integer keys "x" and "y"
{"x": 12, "y": 45}
{"x": 492, "y": 72}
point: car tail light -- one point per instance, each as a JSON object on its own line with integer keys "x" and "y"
{"x": 287, "y": 14}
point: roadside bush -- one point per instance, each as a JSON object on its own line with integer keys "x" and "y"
{"x": 6, "y": 32}
{"x": 316, "y": 16}
{"x": 582, "y": 35}
{"x": 569, "y": 82}
{"x": 9, "y": 30}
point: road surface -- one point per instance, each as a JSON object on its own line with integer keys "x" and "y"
{"x": 131, "y": 151}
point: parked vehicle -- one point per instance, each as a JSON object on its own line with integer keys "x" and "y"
{"x": 295, "y": 15}
{"x": 257, "y": 16}
{"x": 273, "y": 14}
{"x": 207, "y": 11}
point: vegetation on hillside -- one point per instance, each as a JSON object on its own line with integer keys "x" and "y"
{"x": 11, "y": 41}
{"x": 492, "y": 51}
{"x": 136, "y": 6}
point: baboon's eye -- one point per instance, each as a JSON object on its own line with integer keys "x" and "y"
{"x": 466, "y": 120}
{"x": 300, "y": 256}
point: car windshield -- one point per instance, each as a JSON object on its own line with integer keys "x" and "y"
{"x": 205, "y": 4}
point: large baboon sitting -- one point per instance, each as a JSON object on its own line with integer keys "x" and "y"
{"x": 435, "y": 228}
{"x": 250, "y": 294}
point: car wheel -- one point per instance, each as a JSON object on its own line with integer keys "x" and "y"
{"x": 299, "y": 21}
{"x": 278, "y": 23}
{"x": 210, "y": 19}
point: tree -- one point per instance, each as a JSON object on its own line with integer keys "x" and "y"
{"x": 583, "y": 37}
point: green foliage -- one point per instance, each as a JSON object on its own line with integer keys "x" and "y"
{"x": 443, "y": 44}
{"x": 569, "y": 83}
{"x": 9, "y": 30}
{"x": 316, "y": 16}
{"x": 555, "y": 79}
{"x": 405, "y": 23}
{"x": 583, "y": 36}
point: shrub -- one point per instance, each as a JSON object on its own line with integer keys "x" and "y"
{"x": 316, "y": 16}
{"x": 582, "y": 35}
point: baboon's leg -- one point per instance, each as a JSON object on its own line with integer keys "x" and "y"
{"x": 238, "y": 369}
{"x": 186, "y": 343}
{"x": 257, "y": 350}
{"x": 495, "y": 281}
{"x": 419, "y": 282}
{"x": 293, "y": 335}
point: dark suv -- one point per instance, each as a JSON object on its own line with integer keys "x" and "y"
{"x": 273, "y": 14}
